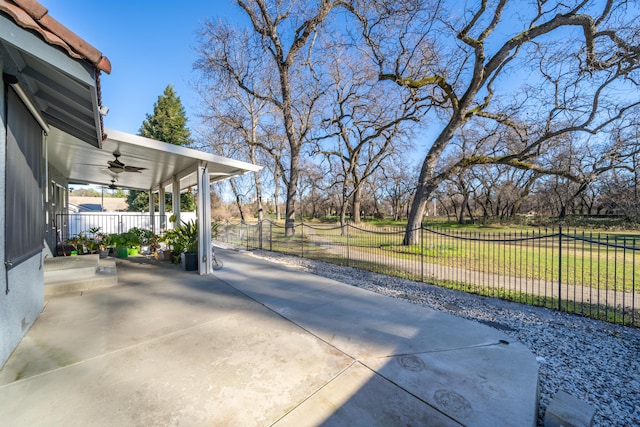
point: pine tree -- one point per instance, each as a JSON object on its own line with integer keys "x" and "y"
{"x": 168, "y": 123}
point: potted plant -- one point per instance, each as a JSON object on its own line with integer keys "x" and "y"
{"x": 147, "y": 238}
{"x": 187, "y": 239}
{"x": 133, "y": 242}
{"x": 173, "y": 245}
{"x": 104, "y": 242}
{"x": 81, "y": 243}
{"x": 121, "y": 244}
{"x": 92, "y": 243}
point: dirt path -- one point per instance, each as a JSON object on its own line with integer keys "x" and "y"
{"x": 490, "y": 281}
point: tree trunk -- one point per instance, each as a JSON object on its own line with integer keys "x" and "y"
{"x": 470, "y": 212}
{"x": 292, "y": 189}
{"x": 463, "y": 207}
{"x": 256, "y": 175}
{"x": 428, "y": 182}
{"x": 276, "y": 192}
{"x": 294, "y": 146}
{"x": 415, "y": 216}
{"x": 238, "y": 199}
{"x": 419, "y": 204}
{"x": 356, "y": 205}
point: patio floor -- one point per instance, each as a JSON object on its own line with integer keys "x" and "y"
{"x": 259, "y": 344}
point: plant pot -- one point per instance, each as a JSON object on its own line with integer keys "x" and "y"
{"x": 132, "y": 251}
{"x": 167, "y": 254}
{"x": 122, "y": 252}
{"x": 103, "y": 253}
{"x": 190, "y": 261}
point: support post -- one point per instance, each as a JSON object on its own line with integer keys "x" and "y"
{"x": 175, "y": 199}
{"x": 162, "y": 208}
{"x": 152, "y": 211}
{"x": 204, "y": 220}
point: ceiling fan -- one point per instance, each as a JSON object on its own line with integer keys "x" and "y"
{"x": 116, "y": 166}
{"x": 113, "y": 185}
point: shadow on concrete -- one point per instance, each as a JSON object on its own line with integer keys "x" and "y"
{"x": 260, "y": 344}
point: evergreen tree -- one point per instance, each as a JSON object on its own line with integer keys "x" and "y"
{"x": 168, "y": 123}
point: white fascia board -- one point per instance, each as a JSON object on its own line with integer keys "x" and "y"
{"x": 179, "y": 150}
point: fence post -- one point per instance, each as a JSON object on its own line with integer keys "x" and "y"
{"x": 302, "y": 235}
{"x": 270, "y": 236}
{"x": 422, "y": 252}
{"x": 246, "y": 233}
{"x": 348, "y": 252}
{"x": 559, "y": 267}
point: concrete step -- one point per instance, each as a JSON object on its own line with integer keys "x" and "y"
{"x": 64, "y": 275}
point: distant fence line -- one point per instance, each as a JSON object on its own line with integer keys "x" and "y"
{"x": 592, "y": 274}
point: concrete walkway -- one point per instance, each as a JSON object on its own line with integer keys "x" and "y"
{"x": 259, "y": 344}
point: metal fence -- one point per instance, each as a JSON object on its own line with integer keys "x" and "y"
{"x": 591, "y": 274}
{"x": 70, "y": 225}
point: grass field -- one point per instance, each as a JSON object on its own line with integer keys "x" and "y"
{"x": 585, "y": 259}
{"x": 608, "y": 260}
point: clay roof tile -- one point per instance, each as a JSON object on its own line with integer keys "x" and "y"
{"x": 32, "y": 15}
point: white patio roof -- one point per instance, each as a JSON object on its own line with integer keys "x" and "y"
{"x": 83, "y": 163}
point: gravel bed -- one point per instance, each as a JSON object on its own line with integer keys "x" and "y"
{"x": 594, "y": 361}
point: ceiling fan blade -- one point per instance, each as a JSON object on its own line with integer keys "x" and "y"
{"x": 135, "y": 169}
{"x": 116, "y": 166}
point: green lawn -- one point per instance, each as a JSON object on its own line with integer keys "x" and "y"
{"x": 589, "y": 260}
{"x": 504, "y": 250}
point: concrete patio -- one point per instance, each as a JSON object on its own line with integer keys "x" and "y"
{"x": 259, "y": 344}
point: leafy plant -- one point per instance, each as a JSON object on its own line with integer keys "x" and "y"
{"x": 188, "y": 234}
{"x": 215, "y": 229}
{"x": 129, "y": 239}
{"x": 144, "y": 236}
{"x": 104, "y": 240}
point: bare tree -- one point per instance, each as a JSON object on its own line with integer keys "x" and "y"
{"x": 398, "y": 188}
{"x": 367, "y": 124}
{"x": 313, "y": 197}
{"x": 536, "y": 71}
{"x": 280, "y": 43}
{"x": 234, "y": 117}
{"x": 618, "y": 190}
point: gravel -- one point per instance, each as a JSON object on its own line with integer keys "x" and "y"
{"x": 594, "y": 361}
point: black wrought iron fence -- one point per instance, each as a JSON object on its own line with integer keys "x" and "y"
{"x": 592, "y": 274}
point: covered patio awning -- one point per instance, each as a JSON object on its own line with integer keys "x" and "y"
{"x": 162, "y": 162}
{"x": 134, "y": 162}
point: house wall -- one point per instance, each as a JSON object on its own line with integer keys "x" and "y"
{"x": 53, "y": 207}
{"x": 21, "y": 288}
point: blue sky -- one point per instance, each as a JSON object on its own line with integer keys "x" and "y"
{"x": 150, "y": 44}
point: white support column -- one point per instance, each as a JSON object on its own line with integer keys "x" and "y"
{"x": 152, "y": 211}
{"x": 204, "y": 220}
{"x": 163, "y": 209}
{"x": 175, "y": 198}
